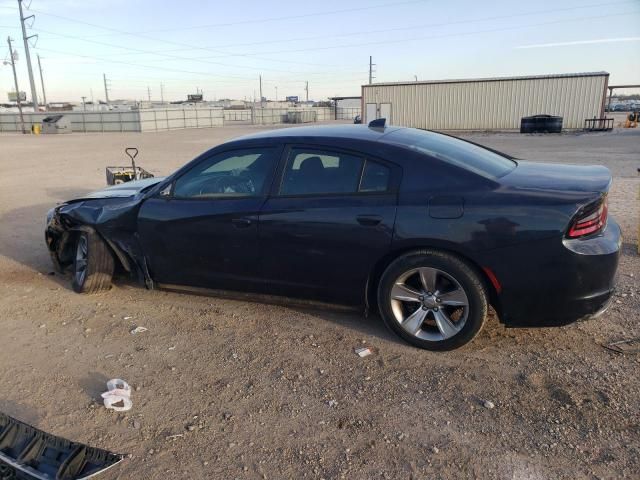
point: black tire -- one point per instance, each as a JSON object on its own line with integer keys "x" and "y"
{"x": 98, "y": 264}
{"x": 467, "y": 280}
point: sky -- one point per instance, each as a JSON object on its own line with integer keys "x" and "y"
{"x": 223, "y": 47}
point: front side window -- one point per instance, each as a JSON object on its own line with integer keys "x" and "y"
{"x": 321, "y": 172}
{"x": 238, "y": 173}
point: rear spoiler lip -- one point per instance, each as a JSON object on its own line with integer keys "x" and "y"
{"x": 22, "y": 434}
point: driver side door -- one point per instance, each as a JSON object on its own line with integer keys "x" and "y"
{"x": 203, "y": 232}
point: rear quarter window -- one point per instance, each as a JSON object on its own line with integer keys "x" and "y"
{"x": 454, "y": 151}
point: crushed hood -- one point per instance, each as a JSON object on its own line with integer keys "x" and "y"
{"x": 128, "y": 189}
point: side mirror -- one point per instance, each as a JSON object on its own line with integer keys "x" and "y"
{"x": 166, "y": 191}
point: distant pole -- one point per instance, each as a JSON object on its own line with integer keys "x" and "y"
{"x": 84, "y": 104}
{"x": 149, "y": 93}
{"x": 276, "y": 94}
{"x": 162, "y": 93}
{"x": 371, "y": 65}
{"x": 416, "y": 77}
{"x": 106, "y": 88}
{"x": 15, "y": 79}
{"x": 261, "y": 97}
{"x": 92, "y": 102}
{"x": 34, "y": 95}
{"x": 306, "y": 89}
{"x": 44, "y": 94}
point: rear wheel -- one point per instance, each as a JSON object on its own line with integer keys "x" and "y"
{"x": 432, "y": 299}
{"x": 92, "y": 264}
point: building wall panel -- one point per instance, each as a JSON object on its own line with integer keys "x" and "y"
{"x": 492, "y": 104}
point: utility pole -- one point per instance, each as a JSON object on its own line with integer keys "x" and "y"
{"x": 84, "y": 104}
{"x": 149, "y": 93}
{"x": 44, "y": 94}
{"x": 261, "y": 104}
{"x": 371, "y": 65}
{"x": 34, "y": 95}
{"x": 106, "y": 88}
{"x": 276, "y": 94}
{"x": 306, "y": 89}
{"x": 162, "y": 93}
{"x": 12, "y": 56}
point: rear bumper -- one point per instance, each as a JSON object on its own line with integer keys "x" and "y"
{"x": 558, "y": 282}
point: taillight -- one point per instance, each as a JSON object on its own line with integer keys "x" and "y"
{"x": 590, "y": 221}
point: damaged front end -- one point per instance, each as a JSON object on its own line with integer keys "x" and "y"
{"x": 112, "y": 214}
{"x": 29, "y": 453}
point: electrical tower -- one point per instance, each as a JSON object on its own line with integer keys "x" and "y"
{"x": 106, "y": 87}
{"x": 13, "y": 56}
{"x": 44, "y": 94}
{"x": 34, "y": 96}
{"x": 371, "y": 70}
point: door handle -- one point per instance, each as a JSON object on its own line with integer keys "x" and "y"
{"x": 369, "y": 220}
{"x": 241, "y": 222}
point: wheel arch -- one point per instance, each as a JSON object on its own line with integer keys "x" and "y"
{"x": 381, "y": 265}
{"x": 118, "y": 255}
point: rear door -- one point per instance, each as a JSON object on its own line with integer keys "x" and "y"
{"x": 204, "y": 231}
{"x": 329, "y": 219}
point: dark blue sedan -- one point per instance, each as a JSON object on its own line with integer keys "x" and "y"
{"x": 425, "y": 228}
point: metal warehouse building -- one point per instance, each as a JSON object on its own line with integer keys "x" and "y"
{"x": 488, "y": 103}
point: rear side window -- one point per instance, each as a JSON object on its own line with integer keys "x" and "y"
{"x": 453, "y": 151}
{"x": 321, "y": 172}
{"x": 375, "y": 177}
{"x": 310, "y": 171}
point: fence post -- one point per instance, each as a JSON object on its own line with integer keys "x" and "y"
{"x": 120, "y": 120}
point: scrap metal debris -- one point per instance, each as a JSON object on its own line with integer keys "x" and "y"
{"x": 29, "y": 453}
{"x": 631, "y": 345}
{"x": 138, "y": 330}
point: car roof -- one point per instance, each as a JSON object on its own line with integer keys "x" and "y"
{"x": 355, "y": 132}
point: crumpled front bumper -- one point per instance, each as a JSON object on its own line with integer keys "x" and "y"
{"x": 29, "y": 453}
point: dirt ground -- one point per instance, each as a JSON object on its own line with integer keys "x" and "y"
{"x": 227, "y": 388}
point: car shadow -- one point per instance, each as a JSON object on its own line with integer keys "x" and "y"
{"x": 22, "y": 238}
{"x": 20, "y": 411}
{"x": 94, "y": 384}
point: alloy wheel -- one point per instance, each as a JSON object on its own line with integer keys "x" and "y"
{"x": 81, "y": 260}
{"x": 429, "y": 304}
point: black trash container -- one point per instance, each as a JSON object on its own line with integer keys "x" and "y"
{"x": 541, "y": 124}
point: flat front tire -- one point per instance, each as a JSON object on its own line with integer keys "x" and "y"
{"x": 92, "y": 264}
{"x": 432, "y": 299}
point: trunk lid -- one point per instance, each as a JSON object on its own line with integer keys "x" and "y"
{"x": 561, "y": 178}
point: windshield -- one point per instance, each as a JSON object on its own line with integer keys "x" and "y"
{"x": 454, "y": 151}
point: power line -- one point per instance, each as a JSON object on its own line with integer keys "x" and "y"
{"x": 403, "y": 28}
{"x": 287, "y": 17}
{"x": 159, "y": 53}
{"x": 257, "y": 55}
{"x": 429, "y": 37}
{"x": 134, "y": 34}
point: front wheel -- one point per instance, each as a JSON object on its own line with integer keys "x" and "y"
{"x": 432, "y": 299}
{"x": 92, "y": 264}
